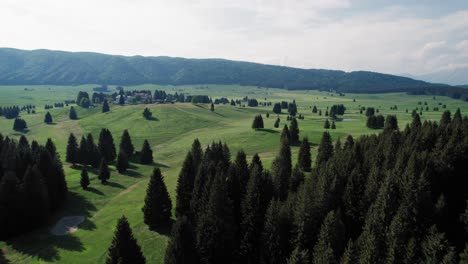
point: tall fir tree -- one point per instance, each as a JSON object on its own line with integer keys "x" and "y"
{"x": 181, "y": 246}
{"x": 36, "y": 197}
{"x": 185, "y": 185}
{"x": 72, "y": 150}
{"x": 124, "y": 247}
{"x": 104, "y": 173}
{"x": 105, "y": 106}
{"x": 325, "y": 150}
{"x": 146, "y": 154}
{"x": 212, "y": 108}
{"x": 73, "y": 115}
{"x": 158, "y": 205}
{"x": 126, "y": 144}
{"x": 122, "y": 162}
{"x": 282, "y": 173}
{"x": 294, "y": 131}
{"x": 330, "y": 241}
{"x": 84, "y": 178}
{"x": 48, "y": 118}
{"x": 304, "y": 157}
{"x": 106, "y": 145}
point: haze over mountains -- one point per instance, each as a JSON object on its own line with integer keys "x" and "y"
{"x": 19, "y": 67}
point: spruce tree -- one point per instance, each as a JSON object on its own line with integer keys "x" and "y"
{"x": 84, "y": 180}
{"x": 349, "y": 254}
{"x": 121, "y": 97}
{"x": 50, "y": 146}
{"x": 297, "y": 178}
{"x": 126, "y": 144}
{"x": 83, "y": 151}
{"x": 325, "y": 150}
{"x": 147, "y": 114}
{"x": 146, "y": 154}
{"x": 72, "y": 150}
{"x": 106, "y": 145}
{"x": 299, "y": 256}
{"x": 282, "y": 173}
{"x": 48, "y": 118}
{"x": 181, "y": 246}
{"x": 73, "y": 115}
{"x": 197, "y": 154}
{"x": 105, "y": 106}
{"x": 330, "y": 240}
{"x": 333, "y": 126}
{"x": 185, "y": 184}
{"x": 294, "y": 131}
{"x": 327, "y": 124}
{"x": 276, "y": 125}
{"x": 285, "y": 134}
{"x": 122, "y": 162}
{"x": 304, "y": 157}
{"x": 104, "y": 173}
{"x": 212, "y": 108}
{"x": 36, "y": 197}
{"x": 124, "y": 247}
{"x": 158, "y": 205}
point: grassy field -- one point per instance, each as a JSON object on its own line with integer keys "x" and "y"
{"x": 170, "y": 135}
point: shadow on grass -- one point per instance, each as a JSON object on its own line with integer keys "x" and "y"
{"x": 164, "y": 230}
{"x": 152, "y": 119}
{"x": 115, "y": 185}
{"x": 94, "y": 190}
{"x": 132, "y": 173}
{"x": 160, "y": 165}
{"x": 20, "y": 132}
{"x": 45, "y": 246}
{"x": 268, "y": 130}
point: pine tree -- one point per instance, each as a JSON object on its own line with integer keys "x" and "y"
{"x": 72, "y": 150}
{"x": 294, "y": 131}
{"x": 158, "y": 205}
{"x": 36, "y": 197}
{"x": 299, "y": 256}
{"x": 436, "y": 248}
{"x": 126, "y": 144}
{"x": 197, "y": 154}
{"x": 325, "y": 150}
{"x": 105, "y": 106}
{"x": 147, "y": 114}
{"x": 104, "y": 173}
{"x": 215, "y": 232}
{"x": 330, "y": 240}
{"x": 106, "y": 145}
{"x": 277, "y": 108}
{"x": 73, "y": 115}
{"x": 327, "y": 124}
{"x": 282, "y": 173}
{"x": 181, "y": 246}
{"x": 146, "y": 154}
{"x": 276, "y": 125}
{"x": 333, "y": 126}
{"x": 121, "y": 97}
{"x": 93, "y": 156}
{"x": 297, "y": 178}
{"x": 349, "y": 254}
{"x": 84, "y": 181}
{"x": 285, "y": 134}
{"x": 122, "y": 162}
{"x": 304, "y": 157}
{"x": 83, "y": 151}
{"x": 124, "y": 247}
{"x": 185, "y": 185}
{"x": 212, "y": 107}
{"x": 19, "y": 124}
{"x": 48, "y": 118}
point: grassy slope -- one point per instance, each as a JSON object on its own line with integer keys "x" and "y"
{"x": 171, "y": 136}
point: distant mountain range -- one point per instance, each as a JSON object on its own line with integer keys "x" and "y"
{"x": 21, "y": 67}
{"x": 457, "y": 76}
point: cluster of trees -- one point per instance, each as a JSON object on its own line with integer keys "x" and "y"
{"x": 98, "y": 98}
{"x": 32, "y": 185}
{"x": 10, "y": 112}
{"x": 375, "y": 121}
{"x": 47, "y": 107}
{"x": 277, "y": 108}
{"x": 200, "y": 99}
{"x": 292, "y": 107}
{"x": 19, "y": 124}
{"x": 252, "y": 102}
{"x": 83, "y": 99}
{"x": 257, "y": 122}
{"x": 222, "y": 100}
{"x": 59, "y": 105}
{"x": 162, "y": 95}
{"x": 338, "y": 109}
{"x": 328, "y": 126}
{"x": 396, "y": 197}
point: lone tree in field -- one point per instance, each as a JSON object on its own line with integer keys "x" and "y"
{"x": 257, "y": 122}
{"x": 122, "y": 162}
{"x": 84, "y": 181}
{"x": 327, "y": 124}
{"x": 19, "y": 124}
{"x": 181, "y": 246}
{"x": 48, "y": 118}
{"x": 276, "y": 125}
{"x": 304, "y": 158}
{"x": 104, "y": 173}
{"x": 277, "y": 108}
{"x": 146, "y": 155}
{"x": 73, "y": 115}
{"x": 126, "y": 144}
{"x": 333, "y": 126}
{"x": 72, "y": 150}
{"x": 105, "y": 106}
{"x": 158, "y": 205}
{"x": 147, "y": 114}
{"x": 212, "y": 107}
{"x": 124, "y": 247}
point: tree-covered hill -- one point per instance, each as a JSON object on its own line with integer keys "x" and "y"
{"x": 70, "y": 68}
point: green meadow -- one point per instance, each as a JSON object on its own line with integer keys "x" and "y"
{"x": 171, "y": 135}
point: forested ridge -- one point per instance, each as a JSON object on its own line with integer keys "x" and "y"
{"x": 20, "y": 67}
{"x": 396, "y": 197}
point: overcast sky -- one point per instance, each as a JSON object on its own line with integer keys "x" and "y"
{"x": 393, "y": 36}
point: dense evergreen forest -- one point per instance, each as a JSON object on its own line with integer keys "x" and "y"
{"x": 32, "y": 185}
{"x": 396, "y": 197}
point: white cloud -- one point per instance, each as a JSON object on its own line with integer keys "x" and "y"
{"x": 302, "y": 33}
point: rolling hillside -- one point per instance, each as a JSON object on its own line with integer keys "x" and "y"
{"x": 19, "y": 67}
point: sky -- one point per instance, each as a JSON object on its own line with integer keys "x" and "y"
{"x": 392, "y": 36}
